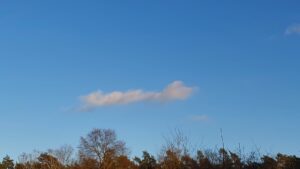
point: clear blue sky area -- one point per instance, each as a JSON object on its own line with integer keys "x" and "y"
{"x": 242, "y": 56}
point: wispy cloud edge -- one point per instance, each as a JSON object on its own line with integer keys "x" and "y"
{"x": 293, "y": 29}
{"x": 199, "y": 118}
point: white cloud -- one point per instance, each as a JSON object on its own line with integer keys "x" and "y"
{"x": 199, "y": 118}
{"x": 293, "y": 29}
{"x": 174, "y": 91}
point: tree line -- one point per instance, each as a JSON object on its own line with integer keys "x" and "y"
{"x": 101, "y": 149}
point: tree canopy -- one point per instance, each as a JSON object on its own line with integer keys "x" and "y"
{"x": 101, "y": 149}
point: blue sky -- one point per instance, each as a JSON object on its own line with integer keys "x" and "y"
{"x": 241, "y": 59}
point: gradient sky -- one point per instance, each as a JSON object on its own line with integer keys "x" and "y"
{"x": 241, "y": 56}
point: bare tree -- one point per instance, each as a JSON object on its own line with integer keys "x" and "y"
{"x": 223, "y": 151}
{"x": 176, "y": 152}
{"x": 28, "y": 160}
{"x": 101, "y": 144}
{"x": 29, "y": 157}
{"x": 177, "y": 143}
{"x": 63, "y": 154}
